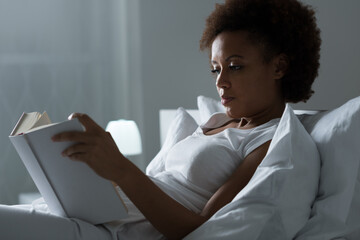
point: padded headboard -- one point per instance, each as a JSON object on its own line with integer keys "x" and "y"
{"x": 167, "y": 115}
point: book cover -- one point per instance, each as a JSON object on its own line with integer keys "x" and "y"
{"x": 70, "y": 188}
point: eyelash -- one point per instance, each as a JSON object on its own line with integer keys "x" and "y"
{"x": 215, "y": 71}
{"x": 235, "y": 67}
{"x": 231, "y": 67}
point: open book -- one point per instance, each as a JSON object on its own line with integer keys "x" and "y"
{"x": 70, "y": 188}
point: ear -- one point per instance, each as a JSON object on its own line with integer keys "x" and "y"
{"x": 281, "y": 64}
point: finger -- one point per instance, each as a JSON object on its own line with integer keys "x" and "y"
{"x": 86, "y": 121}
{"x": 72, "y": 137}
{"x": 85, "y": 158}
{"x": 76, "y": 149}
{"x": 82, "y": 157}
{"x": 73, "y": 115}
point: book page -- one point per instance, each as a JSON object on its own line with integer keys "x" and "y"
{"x": 26, "y": 121}
{"x": 29, "y": 121}
{"x": 43, "y": 119}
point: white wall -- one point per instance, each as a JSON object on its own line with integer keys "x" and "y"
{"x": 339, "y": 76}
{"x": 174, "y": 71}
{"x": 56, "y": 56}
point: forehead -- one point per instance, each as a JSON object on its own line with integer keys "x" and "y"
{"x": 234, "y": 43}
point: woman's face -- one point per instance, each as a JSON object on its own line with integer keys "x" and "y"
{"x": 248, "y": 86}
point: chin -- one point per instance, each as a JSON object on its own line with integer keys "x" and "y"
{"x": 232, "y": 114}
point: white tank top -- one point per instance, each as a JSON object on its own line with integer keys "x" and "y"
{"x": 197, "y": 166}
{"x": 202, "y": 163}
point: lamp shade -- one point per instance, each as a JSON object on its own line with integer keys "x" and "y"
{"x": 126, "y": 136}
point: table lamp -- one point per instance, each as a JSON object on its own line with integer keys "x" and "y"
{"x": 126, "y": 136}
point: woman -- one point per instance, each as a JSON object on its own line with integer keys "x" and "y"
{"x": 263, "y": 54}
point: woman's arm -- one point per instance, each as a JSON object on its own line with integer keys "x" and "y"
{"x": 167, "y": 215}
{"x": 96, "y": 148}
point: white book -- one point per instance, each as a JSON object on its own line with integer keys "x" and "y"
{"x": 70, "y": 188}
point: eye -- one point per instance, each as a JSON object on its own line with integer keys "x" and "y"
{"x": 215, "y": 71}
{"x": 235, "y": 67}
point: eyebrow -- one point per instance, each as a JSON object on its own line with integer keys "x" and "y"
{"x": 229, "y": 58}
{"x": 234, "y": 56}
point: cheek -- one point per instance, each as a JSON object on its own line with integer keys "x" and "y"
{"x": 264, "y": 84}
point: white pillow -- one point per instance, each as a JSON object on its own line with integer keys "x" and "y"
{"x": 276, "y": 203}
{"x": 336, "y": 211}
{"x": 181, "y": 126}
{"x": 207, "y": 106}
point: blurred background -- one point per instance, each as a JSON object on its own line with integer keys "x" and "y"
{"x": 128, "y": 59}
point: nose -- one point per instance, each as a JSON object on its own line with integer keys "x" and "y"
{"x": 222, "y": 80}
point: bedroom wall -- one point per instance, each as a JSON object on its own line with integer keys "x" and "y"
{"x": 174, "y": 71}
{"x": 56, "y": 56}
{"x": 339, "y": 75}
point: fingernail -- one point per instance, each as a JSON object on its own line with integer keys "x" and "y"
{"x": 71, "y": 116}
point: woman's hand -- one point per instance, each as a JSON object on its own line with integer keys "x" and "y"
{"x": 94, "y": 146}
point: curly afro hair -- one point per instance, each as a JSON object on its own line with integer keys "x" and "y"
{"x": 282, "y": 27}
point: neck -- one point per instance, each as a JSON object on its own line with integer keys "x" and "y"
{"x": 262, "y": 117}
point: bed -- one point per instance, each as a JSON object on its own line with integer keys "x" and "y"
{"x": 335, "y": 211}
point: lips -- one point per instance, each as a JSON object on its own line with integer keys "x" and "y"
{"x": 225, "y": 100}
